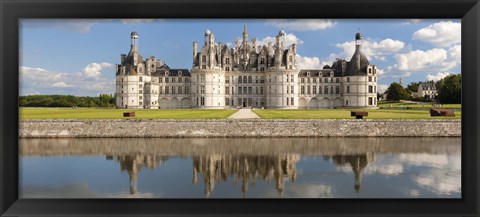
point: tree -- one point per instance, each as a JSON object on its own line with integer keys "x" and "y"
{"x": 396, "y": 92}
{"x": 450, "y": 89}
{"x": 413, "y": 86}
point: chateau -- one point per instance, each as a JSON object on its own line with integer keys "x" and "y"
{"x": 246, "y": 75}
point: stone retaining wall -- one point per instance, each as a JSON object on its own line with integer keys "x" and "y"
{"x": 240, "y": 128}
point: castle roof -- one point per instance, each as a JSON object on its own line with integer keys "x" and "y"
{"x": 353, "y": 68}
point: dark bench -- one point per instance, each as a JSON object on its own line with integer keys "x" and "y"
{"x": 442, "y": 112}
{"x": 358, "y": 115}
{"x": 129, "y": 114}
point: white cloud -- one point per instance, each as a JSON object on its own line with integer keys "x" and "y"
{"x": 433, "y": 60}
{"x": 437, "y": 76}
{"x": 289, "y": 40}
{"x": 308, "y": 62}
{"x": 455, "y": 52}
{"x": 303, "y": 24}
{"x": 61, "y": 84}
{"x": 94, "y": 69}
{"x": 76, "y": 25}
{"x": 381, "y": 88}
{"x": 36, "y": 80}
{"x": 443, "y": 34}
{"x": 411, "y": 21}
{"x": 372, "y": 49}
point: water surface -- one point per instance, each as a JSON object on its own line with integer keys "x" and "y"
{"x": 241, "y": 168}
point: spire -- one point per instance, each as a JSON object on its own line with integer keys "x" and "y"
{"x": 245, "y": 35}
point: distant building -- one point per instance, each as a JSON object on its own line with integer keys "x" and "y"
{"x": 246, "y": 75}
{"x": 426, "y": 90}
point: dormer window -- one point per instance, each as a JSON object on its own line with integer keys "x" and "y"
{"x": 179, "y": 73}
{"x": 308, "y": 73}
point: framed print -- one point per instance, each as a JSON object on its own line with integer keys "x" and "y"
{"x": 251, "y": 108}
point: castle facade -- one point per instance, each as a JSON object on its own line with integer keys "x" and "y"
{"x": 246, "y": 75}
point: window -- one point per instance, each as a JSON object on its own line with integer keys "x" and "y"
{"x": 262, "y": 79}
{"x": 167, "y": 80}
{"x": 262, "y": 69}
{"x": 375, "y": 79}
{"x": 374, "y": 89}
{"x": 308, "y": 89}
{"x": 141, "y": 79}
{"x": 261, "y": 90}
{"x": 308, "y": 80}
{"x": 179, "y": 90}
{"x": 326, "y": 80}
{"x": 331, "y": 90}
{"x": 233, "y": 92}
{"x": 167, "y": 90}
{"x": 314, "y": 89}
{"x": 369, "y": 79}
{"x": 227, "y": 90}
{"x": 187, "y": 90}
{"x": 227, "y": 61}
{"x": 249, "y": 90}
{"x": 337, "y": 89}
{"x": 244, "y": 90}
{"x": 370, "y": 71}
{"x": 174, "y": 80}
{"x": 320, "y": 89}
{"x": 314, "y": 80}
{"x": 302, "y": 80}
{"x": 180, "y": 80}
{"x": 337, "y": 80}
{"x": 204, "y": 67}
{"x": 256, "y": 79}
{"x": 244, "y": 79}
{"x": 173, "y": 90}
{"x": 291, "y": 101}
{"x": 326, "y": 89}
{"x": 204, "y": 59}
{"x": 239, "y": 90}
{"x": 239, "y": 79}
{"x": 287, "y": 100}
{"x": 290, "y": 59}
{"x": 346, "y": 102}
{"x": 202, "y": 101}
{"x": 292, "y": 78}
{"x": 250, "y": 79}
{"x": 262, "y": 60}
{"x": 227, "y": 101}
{"x": 202, "y": 89}
{"x": 370, "y": 101}
{"x": 302, "y": 90}
{"x": 202, "y": 78}
{"x": 291, "y": 89}
{"x": 140, "y": 91}
{"x": 348, "y": 89}
{"x": 140, "y": 97}
{"x": 287, "y": 89}
{"x": 187, "y": 80}
{"x": 256, "y": 90}
{"x": 370, "y": 89}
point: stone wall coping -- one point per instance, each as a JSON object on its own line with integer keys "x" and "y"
{"x": 240, "y": 120}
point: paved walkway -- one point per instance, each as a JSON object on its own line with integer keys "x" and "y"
{"x": 244, "y": 114}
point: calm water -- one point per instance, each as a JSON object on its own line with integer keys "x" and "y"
{"x": 238, "y": 167}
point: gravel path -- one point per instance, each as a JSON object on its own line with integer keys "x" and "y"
{"x": 244, "y": 114}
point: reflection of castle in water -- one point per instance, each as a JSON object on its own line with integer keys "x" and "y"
{"x": 244, "y": 168}
{"x": 247, "y": 168}
{"x": 357, "y": 162}
{"x": 133, "y": 164}
{"x": 245, "y": 160}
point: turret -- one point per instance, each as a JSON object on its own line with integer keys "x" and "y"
{"x": 134, "y": 43}
{"x": 195, "y": 51}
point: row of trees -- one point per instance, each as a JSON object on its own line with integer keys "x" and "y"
{"x": 449, "y": 90}
{"x": 66, "y": 101}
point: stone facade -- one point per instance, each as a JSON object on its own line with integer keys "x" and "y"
{"x": 426, "y": 90}
{"x": 246, "y": 75}
{"x": 239, "y": 128}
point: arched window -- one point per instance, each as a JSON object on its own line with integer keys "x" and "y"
{"x": 239, "y": 79}
{"x": 244, "y": 79}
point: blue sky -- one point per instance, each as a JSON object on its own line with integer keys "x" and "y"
{"x": 78, "y": 57}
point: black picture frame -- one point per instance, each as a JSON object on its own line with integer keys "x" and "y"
{"x": 13, "y": 10}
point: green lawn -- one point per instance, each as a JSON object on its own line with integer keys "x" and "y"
{"x": 416, "y": 105}
{"x": 108, "y": 113}
{"x": 345, "y": 114}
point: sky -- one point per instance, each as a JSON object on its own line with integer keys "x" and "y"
{"x": 78, "y": 56}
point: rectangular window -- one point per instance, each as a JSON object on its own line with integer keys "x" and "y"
{"x": 302, "y": 89}
{"x": 262, "y": 60}
{"x": 249, "y": 90}
{"x": 173, "y": 90}
{"x": 244, "y": 90}
{"x": 320, "y": 89}
{"x": 187, "y": 90}
{"x": 287, "y": 100}
{"x": 308, "y": 80}
{"x": 227, "y": 101}
{"x": 287, "y": 89}
{"x": 337, "y": 90}
{"x": 314, "y": 89}
{"x": 227, "y": 60}
{"x": 227, "y": 90}
{"x": 302, "y": 80}
{"x": 370, "y": 89}
{"x": 348, "y": 79}
{"x": 256, "y": 90}
{"x": 256, "y": 79}
{"x": 326, "y": 90}
{"x": 227, "y": 79}
{"x": 369, "y": 79}
{"x": 291, "y": 101}
{"x": 204, "y": 59}
{"x": 167, "y": 90}
{"x": 167, "y": 80}
{"x": 233, "y": 92}
{"x": 179, "y": 90}
{"x": 308, "y": 89}
{"x": 173, "y": 80}
{"x": 202, "y": 89}
{"x": 370, "y": 101}
{"x": 326, "y": 80}
{"x": 292, "y": 78}
{"x": 262, "y": 79}
{"x": 227, "y": 69}
{"x": 291, "y": 89}
{"x": 180, "y": 80}
{"x": 314, "y": 80}
{"x": 239, "y": 90}
{"x": 202, "y": 78}
{"x": 202, "y": 101}
{"x": 337, "y": 80}
{"x": 348, "y": 89}
{"x": 261, "y": 90}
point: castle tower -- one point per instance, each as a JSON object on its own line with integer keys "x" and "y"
{"x": 134, "y": 44}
